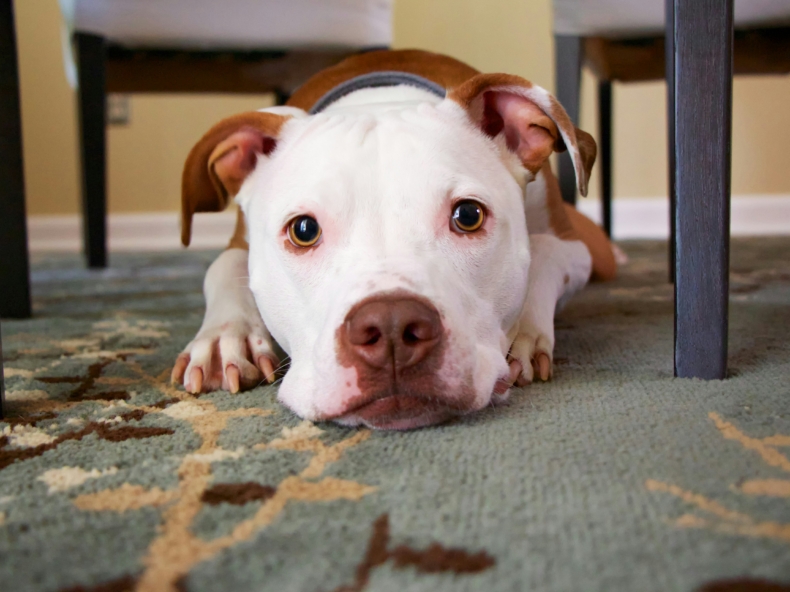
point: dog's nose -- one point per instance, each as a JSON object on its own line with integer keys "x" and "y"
{"x": 386, "y": 332}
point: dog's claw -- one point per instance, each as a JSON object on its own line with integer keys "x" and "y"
{"x": 542, "y": 366}
{"x": 177, "y": 375}
{"x": 267, "y": 367}
{"x": 515, "y": 371}
{"x": 233, "y": 378}
{"x": 195, "y": 384}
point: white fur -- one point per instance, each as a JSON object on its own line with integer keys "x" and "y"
{"x": 380, "y": 171}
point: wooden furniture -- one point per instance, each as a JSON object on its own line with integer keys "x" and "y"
{"x": 14, "y": 282}
{"x": 622, "y": 40}
{"x": 235, "y": 46}
{"x": 238, "y": 46}
{"x": 2, "y": 379}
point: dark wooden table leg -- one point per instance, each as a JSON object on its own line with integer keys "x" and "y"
{"x": 669, "y": 45}
{"x": 568, "y": 50}
{"x": 14, "y": 268}
{"x": 91, "y": 57}
{"x": 605, "y": 151}
{"x": 2, "y": 379}
{"x": 702, "y": 56}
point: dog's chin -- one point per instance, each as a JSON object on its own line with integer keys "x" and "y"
{"x": 398, "y": 412}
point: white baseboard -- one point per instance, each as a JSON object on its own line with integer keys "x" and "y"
{"x": 633, "y": 218}
{"x": 132, "y": 232}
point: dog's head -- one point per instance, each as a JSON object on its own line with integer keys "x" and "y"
{"x": 388, "y": 250}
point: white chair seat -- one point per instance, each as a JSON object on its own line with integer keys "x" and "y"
{"x": 234, "y": 24}
{"x": 629, "y": 17}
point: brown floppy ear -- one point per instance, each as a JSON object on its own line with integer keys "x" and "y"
{"x": 533, "y": 122}
{"x": 221, "y": 160}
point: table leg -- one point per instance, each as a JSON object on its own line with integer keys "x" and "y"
{"x": 93, "y": 135}
{"x": 605, "y": 150}
{"x": 14, "y": 268}
{"x": 2, "y": 380}
{"x": 568, "y": 50}
{"x": 702, "y": 33}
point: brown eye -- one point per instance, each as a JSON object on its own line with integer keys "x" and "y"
{"x": 468, "y": 216}
{"x": 304, "y": 231}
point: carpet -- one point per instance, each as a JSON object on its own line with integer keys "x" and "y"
{"x": 614, "y": 476}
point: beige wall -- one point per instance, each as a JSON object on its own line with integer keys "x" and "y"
{"x": 145, "y": 157}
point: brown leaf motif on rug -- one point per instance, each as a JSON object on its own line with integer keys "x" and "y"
{"x": 176, "y": 549}
{"x": 744, "y": 585}
{"x": 713, "y": 515}
{"x": 434, "y": 559}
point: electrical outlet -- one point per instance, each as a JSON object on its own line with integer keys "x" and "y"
{"x": 118, "y": 109}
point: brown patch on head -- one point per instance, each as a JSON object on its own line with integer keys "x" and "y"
{"x": 435, "y": 559}
{"x": 218, "y": 164}
{"x": 533, "y": 122}
{"x": 237, "y": 494}
{"x": 443, "y": 70}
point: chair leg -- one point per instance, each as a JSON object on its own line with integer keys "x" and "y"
{"x": 568, "y": 49}
{"x": 702, "y": 61}
{"x": 281, "y": 97}
{"x": 2, "y": 380}
{"x": 605, "y": 147}
{"x": 92, "y": 119}
{"x": 669, "y": 58}
{"x": 14, "y": 268}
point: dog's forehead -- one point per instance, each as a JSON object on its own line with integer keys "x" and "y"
{"x": 396, "y": 154}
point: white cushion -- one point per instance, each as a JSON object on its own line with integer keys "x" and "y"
{"x": 234, "y": 24}
{"x": 626, "y": 17}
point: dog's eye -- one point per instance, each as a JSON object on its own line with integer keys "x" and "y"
{"x": 304, "y": 231}
{"x": 468, "y": 216}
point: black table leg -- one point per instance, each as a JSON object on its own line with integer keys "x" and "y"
{"x": 568, "y": 49}
{"x": 92, "y": 117}
{"x": 2, "y": 380}
{"x": 14, "y": 268}
{"x": 702, "y": 61}
{"x": 669, "y": 45}
{"x": 605, "y": 151}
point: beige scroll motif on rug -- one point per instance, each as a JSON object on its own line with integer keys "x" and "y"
{"x": 713, "y": 515}
{"x": 176, "y": 550}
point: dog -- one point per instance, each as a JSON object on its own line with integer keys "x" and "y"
{"x": 400, "y": 235}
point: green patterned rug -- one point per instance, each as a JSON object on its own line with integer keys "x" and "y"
{"x": 614, "y": 476}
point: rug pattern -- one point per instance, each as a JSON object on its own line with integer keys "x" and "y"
{"x": 614, "y": 476}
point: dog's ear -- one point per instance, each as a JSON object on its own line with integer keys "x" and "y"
{"x": 220, "y": 162}
{"x": 533, "y": 122}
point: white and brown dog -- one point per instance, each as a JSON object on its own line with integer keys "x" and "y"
{"x": 403, "y": 236}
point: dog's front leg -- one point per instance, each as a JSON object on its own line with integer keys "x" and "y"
{"x": 233, "y": 348}
{"x": 559, "y": 268}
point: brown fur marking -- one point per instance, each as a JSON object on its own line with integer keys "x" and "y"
{"x": 201, "y": 190}
{"x": 443, "y": 70}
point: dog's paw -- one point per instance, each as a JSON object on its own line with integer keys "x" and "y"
{"x": 534, "y": 351}
{"x": 232, "y": 357}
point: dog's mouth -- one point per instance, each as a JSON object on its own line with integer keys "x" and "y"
{"x": 398, "y": 412}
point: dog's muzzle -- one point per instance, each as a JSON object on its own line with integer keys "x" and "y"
{"x": 396, "y": 343}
